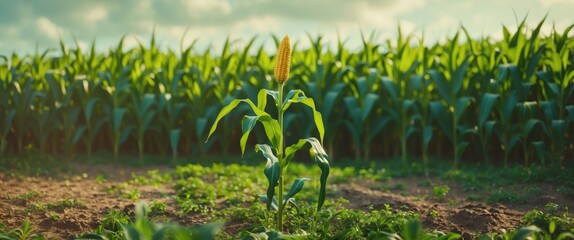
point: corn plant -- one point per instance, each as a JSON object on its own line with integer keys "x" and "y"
{"x": 364, "y": 122}
{"x": 450, "y": 86}
{"x": 324, "y": 83}
{"x": 7, "y": 124}
{"x": 22, "y": 97}
{"x": 169, "y": 111}
{"x": 91, "y": 106}
{"x": 399, "y": 85}
{"x": 526, "y": 125}
{"x": 484, "y": 128}
{"x": 143, "y": 109}
{"x": 200, "y": 92}
{"x": 278, "y": 157}
{"x": 507, "y": 131}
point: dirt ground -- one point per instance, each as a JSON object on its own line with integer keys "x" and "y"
{"x": 23, "y": 198}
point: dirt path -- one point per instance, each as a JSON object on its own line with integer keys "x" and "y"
{"x": 77, "y": 203}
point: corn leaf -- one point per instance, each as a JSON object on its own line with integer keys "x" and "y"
{"x": 272, "y": 170}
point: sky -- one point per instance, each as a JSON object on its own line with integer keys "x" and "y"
{"x": 29, "y": 24}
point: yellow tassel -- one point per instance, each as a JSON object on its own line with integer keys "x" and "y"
{"x": 283, "y": 61}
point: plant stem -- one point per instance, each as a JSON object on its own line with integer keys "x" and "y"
{"x": 280, "y": 157}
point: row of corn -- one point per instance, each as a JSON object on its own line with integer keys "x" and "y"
{"x": 509, "y": 100}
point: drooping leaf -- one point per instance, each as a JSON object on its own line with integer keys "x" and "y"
{"x": 367, "y": 108}
{"x": 271, "y": 126}
{"x": 272, "y": 170}
{"x": 316, "y": 114}
{"x": 442, "y": 86}
{"x": 126, "y": 132}
{"x": 78, "y": 134}
{"x": 427, "y": 134}
{"x": 524, "y": 232}
{"x": 247, "y": 124}
{"x": 174, "y": 139}
{"x": 295, "y": 188}
{"x": 486, "y": 104}
{"x": 461, "y": 105}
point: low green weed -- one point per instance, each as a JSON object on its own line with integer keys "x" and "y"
{"x": 440, "y": 192}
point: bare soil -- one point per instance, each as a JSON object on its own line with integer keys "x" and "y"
{"x": 38, "y": 198}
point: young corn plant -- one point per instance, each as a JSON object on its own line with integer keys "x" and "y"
{"x": 484, "y": 128}
{"x": 363, "y": 123}
{"x": 526, "y": 124}
{"x": 450, "y": 85}
{"x": 278, "y": 157}
{"x": 91, "y": 101}
{"x": 399, "y": 85}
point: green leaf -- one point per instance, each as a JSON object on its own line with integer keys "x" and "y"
{"x": 271, "y": 126}
{"x": 316, "y": 114}
{"x": 370, "y": 100}
{"x": 90, "y": 236}
{"x": 524, "y": 232}
{"x": 540, "y": 151}
{"x": 390, "y": 88}
{"x": 458, "y": 77}
{"x": 207, "y": 231}
{"x": 8, "y": 121}
{"x": 174, "y": 139}
{"x": 486, "y": 103}
{"x": 320, "y": 156}
{"x": 90, "y": 108}
{"x": 262, "y": 99}
{"x": 78, "y": 134}
{"x": 461, "y": 104}
{"x": 378, "y": 126}
{"x": 489, "y": 128}
{"x": 247, "y": 124}
{"x": 461, "y": 147}
{"x": 442, "y": 86}
{"x": 295, "y": 188}
{"x": 412, "y": 229}
{"x": 565, "y": 235}
{"x": 272, "y": 170}
{"x": 427, "y": 134}
{"x": 126, "y": 133}
{"x": 441, "y": 117}
{"x": 200, "y": 125}
{"x": 509, "y": 105}
{"x": 274, "y": 203}
{"x": 130, "y": 232}
{"x": 118, "y": 116}
{"x": 530, "y": 124}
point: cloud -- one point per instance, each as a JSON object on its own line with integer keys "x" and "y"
{"x": 48, "y": 28}
{"x": 548, "y": 3}
{"x": 23, "y": 23}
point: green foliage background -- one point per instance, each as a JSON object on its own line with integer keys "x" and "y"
{"x": 509, "y": 100}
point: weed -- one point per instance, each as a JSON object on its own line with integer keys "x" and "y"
{"x": 157, "y": 208}
{"x": 440, "y": 192}
{"x": 101, "y": 179}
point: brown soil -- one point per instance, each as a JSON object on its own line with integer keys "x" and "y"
{"x": 95, "y": 199}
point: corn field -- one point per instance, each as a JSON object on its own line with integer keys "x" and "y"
{"x": 483, "y": 100}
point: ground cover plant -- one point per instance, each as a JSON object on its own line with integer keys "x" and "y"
{"x": 467, "y": 138}
{"x": 362, "y": 201}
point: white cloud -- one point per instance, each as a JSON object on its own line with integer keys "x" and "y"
{"x": 198, "y": 8}
{"x": 211, "y": 21}
{"x": 96, "y": 14}
{"x": 48, "y": 28}
{"x": 548, "y": 3}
